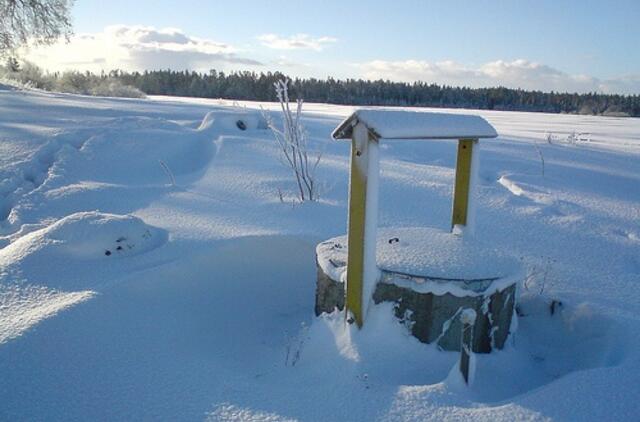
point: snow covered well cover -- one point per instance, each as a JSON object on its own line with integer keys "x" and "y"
{"x": 436, "y": 255}
{"x": 404, "y": 124}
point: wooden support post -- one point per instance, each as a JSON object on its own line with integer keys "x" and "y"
{"x": 468, "y": 319}
{"x": 363, "y": 204}
{"x": 463, "y": 189}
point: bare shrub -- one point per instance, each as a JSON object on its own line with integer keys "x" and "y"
{"x": 537, "y": 276}
{"x": 111, "y": 87}
{"x": 28, "y": 75}
{"x": 293, "y": 143}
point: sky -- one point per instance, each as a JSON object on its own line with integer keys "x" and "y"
{"x": 575, "y": 46}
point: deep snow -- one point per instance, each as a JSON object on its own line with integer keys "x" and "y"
{"x": 206, "y": 312}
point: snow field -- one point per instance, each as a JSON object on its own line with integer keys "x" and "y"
{"x": 209, "y": 313}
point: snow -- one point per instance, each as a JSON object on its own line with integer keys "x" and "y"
{"x": 425, "y": 252}
{"x": 404, "y": 124}
{"x": 90, "y": 235}
{"x": 371, "y": 274}
{"x": 197, "y": 321}
{"x": 469, "y": 228}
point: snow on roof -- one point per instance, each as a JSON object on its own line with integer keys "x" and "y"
{"x": 404, "y": 124}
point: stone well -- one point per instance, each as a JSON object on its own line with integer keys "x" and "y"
{"x": 431, "y": 277}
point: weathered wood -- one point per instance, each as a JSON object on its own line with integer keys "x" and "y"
{"x": 357, "y": 221}
{"x": 468, "y": 319}
{"x": 462, "y": 186}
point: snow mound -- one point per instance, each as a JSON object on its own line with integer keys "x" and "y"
{"x": 91, "y": 235}
{"x": 129, "y": 151}
{"x": 232, "y": 122}
{"x": 520, "y": 187}
{"x": 95, "y": 235}
{"x": 141, "y": 122}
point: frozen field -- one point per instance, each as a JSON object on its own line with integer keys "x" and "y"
{"x": 124, "y": 296}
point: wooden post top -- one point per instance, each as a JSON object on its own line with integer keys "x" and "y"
{"x": 405, "y": 124}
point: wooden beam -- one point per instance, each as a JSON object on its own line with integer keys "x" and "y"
{"x": 361, "y": 226}
{"x": 467, "y": 319}
{"x": 462, "y": 186}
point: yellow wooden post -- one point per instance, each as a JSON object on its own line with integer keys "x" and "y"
{"x": 462, "y": 189}
{"x": 364, "y": 156}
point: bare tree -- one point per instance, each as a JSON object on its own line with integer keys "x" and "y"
{"x": 33, "y": 21}
{"x": 293, "y": 144}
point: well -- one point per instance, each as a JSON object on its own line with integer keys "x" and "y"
{"x": 433, "y": 277}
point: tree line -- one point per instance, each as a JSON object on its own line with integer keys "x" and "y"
{"x": 247, "y": 85}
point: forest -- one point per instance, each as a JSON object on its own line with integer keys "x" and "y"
{"x": 246, "y": 85}
{"x": 259, "y": 86}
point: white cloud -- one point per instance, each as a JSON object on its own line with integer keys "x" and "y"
{"x": 286, "y": 62}
{"x": 137, "y": 48}
{"x": 628, "y": 84}
{"x": 513, "y": 74}
{"x": 148, "y": 48}
{"x": 295, "y": 42}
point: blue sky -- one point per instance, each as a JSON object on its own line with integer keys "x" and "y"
{"x": 560, "y": 45}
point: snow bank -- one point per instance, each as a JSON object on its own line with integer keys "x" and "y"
{"x": 92, "y": 235}
{"x": 231, "y": 122}
{"x": 22, "y": 307}
{"x": 130, "y": 149}
{"x": 114, "y": 158}
{"x": 87, "y": 236}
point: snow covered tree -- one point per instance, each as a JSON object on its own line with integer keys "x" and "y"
{"x": 12, "y": 64}
{"x": 36, "y": 21}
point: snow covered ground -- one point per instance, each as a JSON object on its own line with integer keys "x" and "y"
{"x": 125, "y": 296}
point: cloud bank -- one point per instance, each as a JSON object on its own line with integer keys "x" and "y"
{"x": 138, "y": 48}
{"x": 512, "y": 74}
{"x": 295, "y": 42}
{"x": 148, "y": 48}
